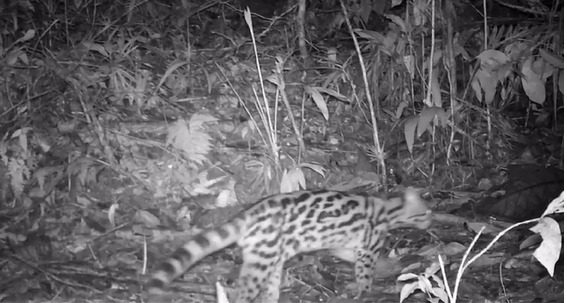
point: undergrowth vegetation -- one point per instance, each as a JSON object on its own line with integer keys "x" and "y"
{"x": 114, "y": 113}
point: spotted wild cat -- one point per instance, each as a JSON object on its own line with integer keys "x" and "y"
{"x": 281, "y": 226}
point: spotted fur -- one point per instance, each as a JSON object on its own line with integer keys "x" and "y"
{"x": 278, "y": 227}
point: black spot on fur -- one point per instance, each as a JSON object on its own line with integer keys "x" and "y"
{"x": 355, "y": 229}
{"x": 395, "y": 209}
{"x": 316, "y": 201}
{"x": 310, "y": 239}
{"x": 272, "y": 203}
{"x": 155, "y": 283}
{"x": 353, "y": 218}
{"x": 352, "y": 204}
{"x": 271, "y": 243}
{"x": 290, "y": 229}
{"x": 202, "y": 240}
{"x": 323, "y": 215}
{"x": 337, "y": 196}
{"x": 259, "y": 266}
{"x": 293, "y": 243}
{"x": 303, "y": 197}
{"x": 285, "y": 202}
{"x": 253, "y": 232}
{"x": 307, "y": 230}
{"x": 327, "y": 227}
{"x": 223, "y": 232}
{"x": 267, "y": 255}
{"x": 269, "y": 230}
{"x": 168, "y": 269}
{"x": 181, "y": 255}
{"x": 310, "y": 214}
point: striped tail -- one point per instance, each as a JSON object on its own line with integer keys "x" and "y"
{"x": 200, "y": 246}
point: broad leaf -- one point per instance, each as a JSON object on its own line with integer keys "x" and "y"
{"x": 409, "y": 131}
{"x": 315, "y": 94}
{"x": 533, "y": 84}
{"x": 548, "y": 252}
{"x": 556, "y": 206}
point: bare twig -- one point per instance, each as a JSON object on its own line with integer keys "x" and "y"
{"x": 281, "y": 88}
{"x": 380, "y": 164}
